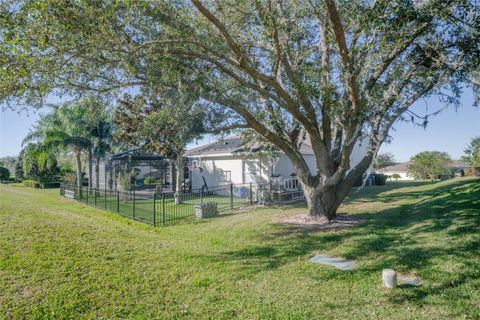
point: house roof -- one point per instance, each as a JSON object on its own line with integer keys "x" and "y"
{"x": 399, "y": 167}
{"x": 460, "y": 164}
{"x": 136, "y": 154}
{"x": 231, "y": 145}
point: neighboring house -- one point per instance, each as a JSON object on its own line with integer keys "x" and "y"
{"x": 400, "y": 168}
{"x": 459, "y": 167}
{"x": 227, "y": 161}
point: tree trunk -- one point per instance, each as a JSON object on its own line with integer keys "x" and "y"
{"x": 97, "y": 173}
{"x": 78, "y": 158}
{"x": 178, "y": 179}
{"x": 322, "y": 205}
{"x": 323, "y": 202}
{"x": 90, "y": 165}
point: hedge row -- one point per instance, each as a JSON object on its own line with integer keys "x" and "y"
{"x": 36, "y": 184}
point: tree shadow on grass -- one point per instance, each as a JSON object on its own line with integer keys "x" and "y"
{"x": 406, "y": 237}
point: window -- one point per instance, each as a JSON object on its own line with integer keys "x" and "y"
{"x": 227, "y": 176}
{"x": 291, "y": 184}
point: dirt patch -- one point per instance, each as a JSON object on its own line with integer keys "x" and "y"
{"x": 306, "y": 222}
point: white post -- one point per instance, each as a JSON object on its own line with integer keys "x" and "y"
{"x": 389, "y": 278}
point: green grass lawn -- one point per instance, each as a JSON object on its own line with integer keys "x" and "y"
{"x": 165, "y": 210}
{"x": 62, "y": 259}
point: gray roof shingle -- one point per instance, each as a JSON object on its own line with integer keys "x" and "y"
{"x": 231, "y": 145}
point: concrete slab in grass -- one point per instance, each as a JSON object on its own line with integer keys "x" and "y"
{"x": 409, "y": 280}
{"x": 339, "y": 263}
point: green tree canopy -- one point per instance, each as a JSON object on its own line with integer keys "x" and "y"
{"x": 430, "y": 165}
{"x": 383, "y": 160}
{"x": 324, "y": 72}
{"x": 8, "y": 162}
{"x": 472, "y": 152}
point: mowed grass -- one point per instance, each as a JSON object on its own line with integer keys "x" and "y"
{"x": 161, "y": 212}
{"x": 60, "y": 259}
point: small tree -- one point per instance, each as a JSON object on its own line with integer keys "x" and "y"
{"x": 19, "y": 174}
{"x": 165, "y": 124}
{"x": 472, "y": 152}
{"x": 383, "y": 160}
{"x": 429, "y": 165}
{"x": 8, "y": 162}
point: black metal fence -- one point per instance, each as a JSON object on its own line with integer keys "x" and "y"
{"x": 165, "y": 208}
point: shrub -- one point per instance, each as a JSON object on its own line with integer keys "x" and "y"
{"x": 69, "y": 178}
{"x": 4, "y": 173}
{"x": 380, "y": 179}
{"x": 395, "y": 176}
{"x": 149, "y": 181}
{"x": 472, "y": 171}
{"x": 31, "y": 184}
{"x": 51, "y": 184}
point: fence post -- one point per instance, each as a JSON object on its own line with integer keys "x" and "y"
{"x": 118, "y": 202}
{"x": 201, "y": 196}
{"x": 163, "y": 208}
{"x": 95, "y": 197}
{"x": 251, "y": 196}
{"x": 105, "y": 197}
{"x": 154, "y": 209}
{"x": 231, "y": 195}
{"x": 88, "y": 191}
{"x": 133, "y": 203}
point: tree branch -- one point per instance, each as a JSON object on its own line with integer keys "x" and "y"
{"x": 207, "y": 14}
{"x": 339, "y": 33}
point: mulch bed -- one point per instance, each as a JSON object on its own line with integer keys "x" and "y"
{"x": 306, "y": 222}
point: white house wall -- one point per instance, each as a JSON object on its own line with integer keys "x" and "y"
{"x": 358, "y": 153}
{"x": 216, "y": 171}
{"x": 403, "y": 175}
{"x": 254, "y": 168}
{"x": 284, "y": 166}
{"x": 257, "y": 168}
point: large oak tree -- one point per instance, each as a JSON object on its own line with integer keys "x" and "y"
{"x": 329, "y": 72}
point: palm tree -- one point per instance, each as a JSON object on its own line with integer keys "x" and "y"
{"x": 63, "y": 129}
{"x": 64, "y": 140}
{"x": 102, "y": 144}
{"x": 100, "y": 132}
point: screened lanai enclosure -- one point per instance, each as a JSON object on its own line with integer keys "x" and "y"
{"x": 140, "y": 185}
{"x": 135, "y": 169}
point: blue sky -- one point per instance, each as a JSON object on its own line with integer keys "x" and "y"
{"x": 450, "y": 131}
